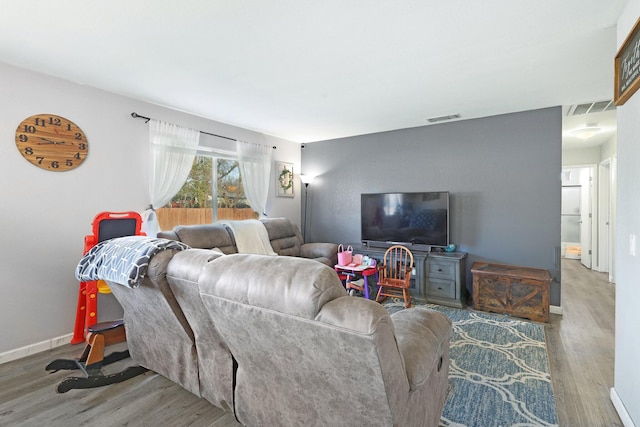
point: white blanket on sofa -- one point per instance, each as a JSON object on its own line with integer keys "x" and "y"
{"x": 251, "y": 237}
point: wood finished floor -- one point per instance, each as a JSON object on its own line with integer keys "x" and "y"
{"x": 580, "y": 344}
{"x": 581, "y": 348}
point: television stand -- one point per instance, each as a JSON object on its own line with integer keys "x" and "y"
{"x": 438, "y": 277}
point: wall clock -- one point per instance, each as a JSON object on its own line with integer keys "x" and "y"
{"x": 52, "y": 142}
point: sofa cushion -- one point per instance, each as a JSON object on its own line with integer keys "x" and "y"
{"x": 207, "y": 236}
{"x": 357, "y": 314}
{"x": 284, "y": 236}
{"x": 273, "y": 285}
{"x": 215, "y": 362}
{"x": 159, "y": 336}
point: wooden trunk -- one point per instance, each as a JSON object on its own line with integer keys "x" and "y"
{"x": 508, "y": 289}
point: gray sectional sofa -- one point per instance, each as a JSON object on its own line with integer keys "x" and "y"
{"x": 277, "y": 341}
{"x": 284, "y": 236}
{"x": 309, "y": 354}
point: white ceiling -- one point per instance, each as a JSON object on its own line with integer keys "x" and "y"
{"x": 308, "y": 70}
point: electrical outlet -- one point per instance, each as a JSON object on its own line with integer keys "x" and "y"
{"x": 632, "y": 244}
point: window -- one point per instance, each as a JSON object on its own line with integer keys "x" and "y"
{"x": 194, "y": 203}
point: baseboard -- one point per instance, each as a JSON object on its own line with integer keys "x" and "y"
{"x": 555, "y": 309}
{"x": 38, "y": 347}
{"x": 622, "y": 411}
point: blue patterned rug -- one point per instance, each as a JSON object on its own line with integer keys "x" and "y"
{"x": 499, "y": 371}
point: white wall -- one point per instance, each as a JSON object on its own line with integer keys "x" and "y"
{"x": 627, "y": 368}
{"x": 609, "y": 148}
{"x": 580, "y": 156}
{"x": 590, "y": 155}
{"x": 45, "y": 215}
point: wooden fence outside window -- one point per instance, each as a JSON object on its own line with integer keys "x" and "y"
{"x": 170, "y": 217}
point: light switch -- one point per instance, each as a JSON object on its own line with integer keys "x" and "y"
{"x": 632, "y": 244}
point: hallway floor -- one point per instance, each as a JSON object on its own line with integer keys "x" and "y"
{"x": 581, "y": 348}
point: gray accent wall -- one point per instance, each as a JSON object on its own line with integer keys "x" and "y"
{"x": 502, "y": 172}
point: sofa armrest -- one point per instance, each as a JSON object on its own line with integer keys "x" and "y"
{"x": 169, "y": 234}
{"x": 320, "y": 250}
{"x": 158, "y": 265}
{"x": 187, "y": 264}
{"x": 423, "y": 337}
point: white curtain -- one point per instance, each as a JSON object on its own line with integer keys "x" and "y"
{"x": 172, "y": 151}
{"x": 255, "y": 168}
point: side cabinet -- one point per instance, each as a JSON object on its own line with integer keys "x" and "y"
{"x": 445, "y": 279}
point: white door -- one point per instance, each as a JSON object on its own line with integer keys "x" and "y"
{"x": 571, "y": 220}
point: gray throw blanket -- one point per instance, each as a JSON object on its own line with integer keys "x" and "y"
{"x": 123, "y": 260}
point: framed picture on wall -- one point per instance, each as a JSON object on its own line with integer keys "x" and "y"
{"x": 284, "y": 179}
{"x": 627, "y": 67}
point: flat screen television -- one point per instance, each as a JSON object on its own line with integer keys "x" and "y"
{"x": 418, "y": 219}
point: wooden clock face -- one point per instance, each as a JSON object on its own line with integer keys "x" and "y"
{"x": 52, "y": 142}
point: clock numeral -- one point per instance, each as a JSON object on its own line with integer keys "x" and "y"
{"x": 29, "y": 129}
{"x": 82, "y": 146}
{"x": 55, "y": 164}
{"x": 77, "y": 156}
{"x": 68, "y": 126}
{"x": 23, "y": 138}
{"x": 40, "y": 122}
{"x": 55, "y": 121}
{"x": 78, "y": 135}
{"x": 39, "y": 159}
{"x": 28, "y": 150}
{"x": 68, "y": 162}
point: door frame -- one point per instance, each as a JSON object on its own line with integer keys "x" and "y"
{"x": 604, "y": 260}
{"x": 588, "y": 232}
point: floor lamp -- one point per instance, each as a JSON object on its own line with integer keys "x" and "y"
{"x": 306, "y": 180}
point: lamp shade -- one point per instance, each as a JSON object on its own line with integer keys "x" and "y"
{"x": 306, "y": 179}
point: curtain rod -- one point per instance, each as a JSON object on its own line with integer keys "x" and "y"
{"x": 146, "y": 119}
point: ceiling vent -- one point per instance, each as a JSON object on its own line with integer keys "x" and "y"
{"x": 443, "y": 118}
{"x": 591, "y": 107}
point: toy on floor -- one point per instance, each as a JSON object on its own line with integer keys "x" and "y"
{"x": 100, "y": 335}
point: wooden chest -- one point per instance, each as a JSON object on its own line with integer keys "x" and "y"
{"x": 509, "y": 289}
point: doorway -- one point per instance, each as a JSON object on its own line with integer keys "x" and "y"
{"x": 577, "y": 214}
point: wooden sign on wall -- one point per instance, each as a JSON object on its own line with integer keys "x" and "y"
{"x": 627, "y": 66}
